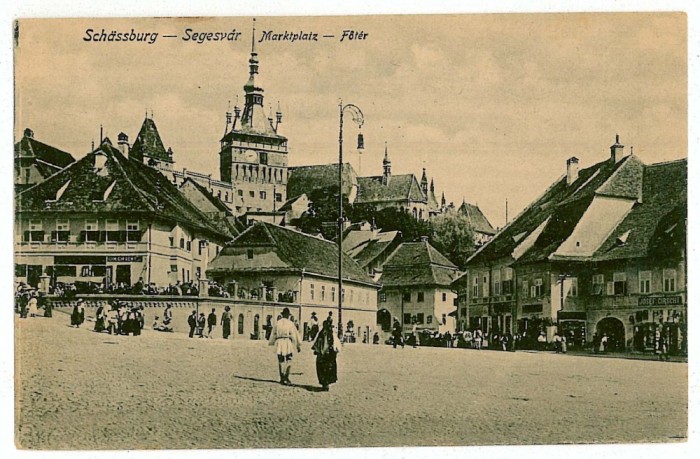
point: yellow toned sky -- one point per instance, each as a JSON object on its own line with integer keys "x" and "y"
{"x": 492, "y": 105}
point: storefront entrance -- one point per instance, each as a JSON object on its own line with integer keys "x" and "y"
{"x": 615, "y": 331}
{"x": 123, "y": 274}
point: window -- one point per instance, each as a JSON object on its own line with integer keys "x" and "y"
{"x": 323, "y": 293}
{"x": 251, "y": 193}
{"x": 312, "y": 291}
{"x": 249, "y": 254}
{"x": 419, "y": 318}
{"x": 669, "y": 280}
{"x": 226, "y": 196}
{"x": 91, "y": 231}
{"x": 182, "y": 242}
{"x": 444, "y": 297}
{"x": 198, "y": 272}
{"x": 352, "y": 294}
{"x": 172, "y": 241}
{"x": 421, "y": 297}
{"x": 429, "y": 320}
{"x": 173, "y": 268}
{"x": 485, "y": 286}
{"x": 189, "y": 246}
{"x": 263, "y": 195}
{"x": 332, "y": 294}
{"x": 597, "y": 284}
{"x": 342, "y": 295}
{"x": 382, "y": 297}
{"x": 112, "y": 230}
{"x": 407, "y": 318}
{"x": 407, "y": 297}
{"x": 507, "y": 284}
{"x": 645, "y": 282}
{"x": 497, "y": 282}
{"x": 620, "y": 283}
{"x": 240, "y": 193}
{"x": 475, "y": 287}
{"x": 67, "y": 270}
{"x": 132, "y": 231}
{"x": 573, "y": 291}
{"x": 62, "y": 233}
{"x": 536, "y": 289}
{"x": 201, "y": 246}
{"x": 263, "y": 157}
{"x": 278, "y": 197}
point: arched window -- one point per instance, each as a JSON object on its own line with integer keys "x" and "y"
{"x": 415, "y": 213}
{"x": 241, "y": 323}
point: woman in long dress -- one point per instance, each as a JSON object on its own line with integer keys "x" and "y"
{"x": 226, "y": 319}
{"x": 325, "y": 348}
{"x": 78, "y": 315}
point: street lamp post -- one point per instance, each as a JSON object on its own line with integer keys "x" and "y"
{"x": 359, "y": 119}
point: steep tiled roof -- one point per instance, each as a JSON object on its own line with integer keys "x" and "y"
{"x": 215, "y": 202}
{"x": 149, "y": 143}
{"x": 658, "y": 222}
{"x": 477, "y": 219}
{"x": 49, "y": 159}
{"x": 295, "y": 251}
{"x": 400, "y": 188}
{"x": 365, "y": 246}
{"x": 104, "y": 181}
{"x": 563, "y": 205}
{"x": 305, "y": 179}
{"x": 417, "y": 263}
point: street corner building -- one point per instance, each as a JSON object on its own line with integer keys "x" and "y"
{"x": 269, "y": 267}
{"x": 416, "y": 289}
{"x": 601, "y": 251}
{"x": 107, "y": 219}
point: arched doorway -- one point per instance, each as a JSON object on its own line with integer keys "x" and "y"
{"x": 241, "y": 323}
{"x": 615, "y": 330}
{"x": 256, "y": 327}
{"x": 384, "y": 319}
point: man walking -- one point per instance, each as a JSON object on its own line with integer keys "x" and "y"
{"x": 285, "y": 337}
{"x": 211, "y": 324}
{"x": 397, "y": 333}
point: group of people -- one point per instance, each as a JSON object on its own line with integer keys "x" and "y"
{"x": 116, "y": 318}
{"x": 28, "y": 302}
{"x": 286, "y": 340}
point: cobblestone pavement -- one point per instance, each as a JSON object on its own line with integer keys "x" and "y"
{"x": 77, "y": 389}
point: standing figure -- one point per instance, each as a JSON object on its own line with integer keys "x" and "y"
{"x": 326, "y": 349}
{"x": 211, "y": 323}
{"x": 192, "y": 322}
{"x": 33, "y": 306}
{"x": 562, "y": 344}
{"x": 226, "y": 319}
{"x": 201, "y": 323}
{"x": 46, "y": 304}
{"x": 168, "y": 317}
{"x": 397, "y": 333}
{"x": 78, "y": 315}
{"x": 100, "y": 319}
{"x": 285, "y": 337}
{"x": 314, "y": 327}
{"x": 604, "y": 343}
{"x": 478, "y": 338}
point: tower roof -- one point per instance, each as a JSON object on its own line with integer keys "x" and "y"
{"x": 149, "y": 144}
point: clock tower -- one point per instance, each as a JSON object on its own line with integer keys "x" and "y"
{"x": 253, "y": 156}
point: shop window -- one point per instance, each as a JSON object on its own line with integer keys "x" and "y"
{"x": 669, "y": 280}
{"x": 65, "y": 270}
{"x": 645, "y": 282}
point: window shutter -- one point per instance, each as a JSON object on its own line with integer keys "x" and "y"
{"x": 610, "y": 288}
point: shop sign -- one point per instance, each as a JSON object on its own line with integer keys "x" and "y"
{"x": 125, "y": 258}
{"x": 660, "y": 301}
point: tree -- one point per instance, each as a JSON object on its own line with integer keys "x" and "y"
{"x": 391, "y": 219}
{"x": 453, "y": 236}
{"x": 323, "y": 212}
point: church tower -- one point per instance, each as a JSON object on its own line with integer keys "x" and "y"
{"x": 253, "y": 156}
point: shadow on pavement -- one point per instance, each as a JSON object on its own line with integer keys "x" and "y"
{"x": 303, "y": 386}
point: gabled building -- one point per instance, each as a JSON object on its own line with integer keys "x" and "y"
{"x": 483, "y": 230}
{"x": 108, "y": 219}
{"x": 35, "y": 161}
{"x": 370, "y": 247}
{"x": 574, "y": 257}
{"x": 416, "y": 288}
{"x": 278, "y": 264}
{"x": 401, "y": 192}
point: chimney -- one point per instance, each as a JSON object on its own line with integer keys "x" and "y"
{"x": 571, "y": 170}
{"x": 123, "y": 143}
{"x": 616, "y": 150}
{"x": 28, "y": 133}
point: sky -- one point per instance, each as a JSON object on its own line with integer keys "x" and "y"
{"x": 492, "y": 105}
